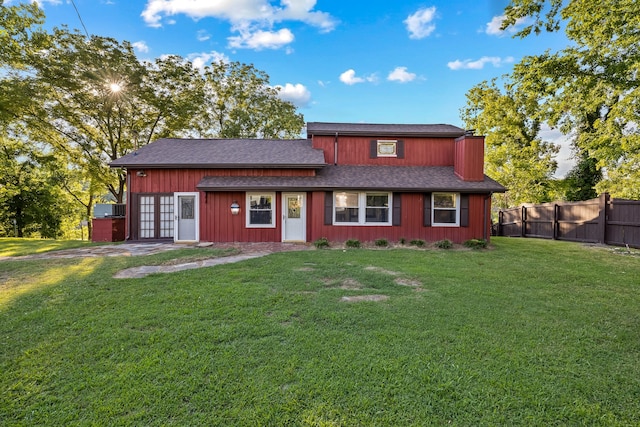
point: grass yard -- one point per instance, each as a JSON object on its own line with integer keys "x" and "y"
{"x": 530, "y": 332}
{"x": 20, "y": 246}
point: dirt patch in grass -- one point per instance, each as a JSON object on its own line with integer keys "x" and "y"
{"x": 351, "y": 284}
{"x": 360, "y": 298}
{"x": 408, "y": 282}
{"x": 382, "y": 270}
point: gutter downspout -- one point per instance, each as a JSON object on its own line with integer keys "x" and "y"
{"x": 335, "y": 150}
{"x": 128, "y": 208}
{"x": 487, "y": 233}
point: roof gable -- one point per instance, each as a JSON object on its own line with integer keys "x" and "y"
{"x": 224, "y": 153}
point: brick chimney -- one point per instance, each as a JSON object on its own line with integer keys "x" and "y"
{"x": 469, "y": 157}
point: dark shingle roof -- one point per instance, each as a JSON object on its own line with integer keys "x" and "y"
{"x": 386, "y": 130}
{"x": 387, "y": 178}
{"x": 226, "y": 153}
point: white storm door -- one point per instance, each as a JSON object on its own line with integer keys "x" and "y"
{"x": 186, "y": 215}
{"x": 294, "y": 217}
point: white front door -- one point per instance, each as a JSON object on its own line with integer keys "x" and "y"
{"x": 186, "y": 216}
{"x": 294, "y": 217}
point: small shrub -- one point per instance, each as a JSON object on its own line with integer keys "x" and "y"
{"x": 352, "y": 243}
{"x": 417, "y": 242}
{"x": 444, "y": 244}
{"x": 382, "y": 242}
{"x": 402, "y": 240}
{"x": 476, "y": 243}
{"x": 321, "y": 243}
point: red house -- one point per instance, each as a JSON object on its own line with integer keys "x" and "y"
{"x": 345, "y": 181}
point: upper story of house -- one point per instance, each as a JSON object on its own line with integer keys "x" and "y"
{"x": 400, "y": 145}
{"x": 334, "y": 155}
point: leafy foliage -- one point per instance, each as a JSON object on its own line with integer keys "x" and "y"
{"x": 321, "y": 243}
{"x": 515, "y": 155}
{"x": 239, "y": 103}
{"x": 476, "y": 243}
{"x": 444, "y": 244}
{"x": 352, "y": 243}
{"x": 590, "y": 90}
{"x": 582, "y": 179}
{"x": 31, "y": 203}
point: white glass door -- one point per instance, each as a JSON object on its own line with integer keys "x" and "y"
{"x": 186, "y": 216}
{"x": 294, "y": 217}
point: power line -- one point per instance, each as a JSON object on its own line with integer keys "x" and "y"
{"x": 80, "y": 17}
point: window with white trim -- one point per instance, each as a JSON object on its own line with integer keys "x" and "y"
{"x": 387, "y": 148}
{"x": 362, "y": 208}
{"x": 445, "y": 209}
{"x": 261, "y": 210}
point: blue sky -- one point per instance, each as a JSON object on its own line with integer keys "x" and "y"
{"x": 338, "y": 60}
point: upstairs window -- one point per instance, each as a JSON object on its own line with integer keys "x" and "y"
{"x": 386, "y": 148}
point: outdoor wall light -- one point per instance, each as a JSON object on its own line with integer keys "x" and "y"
{"x": 235, "y": 208}
{"x": 141, "y": 173}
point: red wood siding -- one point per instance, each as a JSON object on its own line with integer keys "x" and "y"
{"x": 469, "y": 158}
{"x": 217, "y": 224}
{"x": 173, "y": 180}
{"x": 354, "y": 150}
{"x": 411, "y": 223}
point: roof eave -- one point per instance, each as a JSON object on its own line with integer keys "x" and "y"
{"x": 217, "y": 166}
{"x": 389, "y": 134}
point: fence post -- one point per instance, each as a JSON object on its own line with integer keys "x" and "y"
{"x": 603, "y": 217}
{"x": 523, "y": 224}
{"x": 555, "y": 226}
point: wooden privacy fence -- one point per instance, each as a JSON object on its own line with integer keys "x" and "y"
{"x": 601, "y": 220}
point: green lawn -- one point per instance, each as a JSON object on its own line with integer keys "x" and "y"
{"x": 20, "y": 246}
{"x": 529, "y": 332}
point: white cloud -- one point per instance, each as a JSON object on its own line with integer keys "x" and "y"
{"x": 401, "y": 75}
{"x": 203, "y": 35}
{"x": 200, "y": 60}
{"x": 140, "y": 46}
{"x": 349, "y": 78}
{"x": 297, "y": 94}
{"x": 479, "y": 64}
{"x": 259, "y": 39}
{"x": 420, "y": 24}
{"x": 493, "y": 27}
{"x": 252, "y": 19}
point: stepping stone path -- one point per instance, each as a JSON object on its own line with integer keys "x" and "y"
{"x": 145, "y": 270}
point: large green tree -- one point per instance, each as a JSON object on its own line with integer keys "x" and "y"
{"x": 590, "y": 90}
{"x": 240, "y": 103}
{"x": 515, "y": 155}
{"x": 98, "y": 102}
